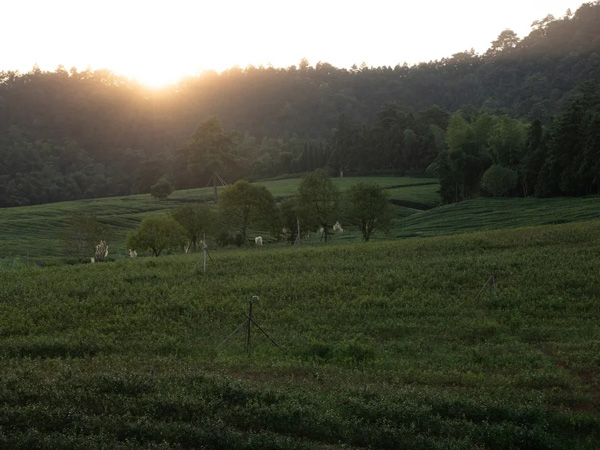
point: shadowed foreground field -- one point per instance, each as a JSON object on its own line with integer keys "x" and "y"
{"x": 385, "y": 346}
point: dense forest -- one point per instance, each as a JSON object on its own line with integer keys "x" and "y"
{"x": 525, "y": 114}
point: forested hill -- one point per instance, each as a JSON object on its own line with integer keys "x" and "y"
{"x": 69, "y": 134}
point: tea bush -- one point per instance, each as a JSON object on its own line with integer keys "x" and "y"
{"x": 384, "y": 345}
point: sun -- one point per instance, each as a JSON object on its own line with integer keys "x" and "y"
{"x": 152, "y": 75}
{"x": 155, "y": 70}
{"x": 157, "y": 79}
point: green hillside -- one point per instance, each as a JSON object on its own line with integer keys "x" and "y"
{"x": 288, "y": 187}
{"x": 424, "y": 196}
{"x": 495, "y": 213}
{"x": 385, "y": 345}
{"x": 32, "y": 231}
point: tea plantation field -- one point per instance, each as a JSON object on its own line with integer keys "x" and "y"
{"x": 384, "y": 346}
{"x": 32, "y": 232}
{"x": 496, "y": 213}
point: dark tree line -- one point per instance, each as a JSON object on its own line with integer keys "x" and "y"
{"x": 500, "y": 156}
{"x": 69, "y": 134}
{"x": 396, "y": 141}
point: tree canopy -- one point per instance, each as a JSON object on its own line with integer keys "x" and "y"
{"x": 318, "y": 201}
{"x": 162, "y": 189}
{"x": 73, "y": 134}
{"x": 82, "y": 233}
{"x": 155, "y": 234}
{"x": 368, "y": 208}
{"x": 243, "y": 204}
{"x": 197, "y": 220}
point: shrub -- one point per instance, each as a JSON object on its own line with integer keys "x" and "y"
{"x": 197, "y": 221}
{"x": 162, "y": 189}
{"x": 499, "y": 181}
{"x": 157, "y": 234}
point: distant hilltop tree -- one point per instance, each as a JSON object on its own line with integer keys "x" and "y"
{"x": 162, "y": 189}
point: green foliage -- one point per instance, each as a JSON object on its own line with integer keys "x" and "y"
{"x": 533, "y": 160}
{"x": 210, "y": 150}
{"x": 243, "y": 204}
{"x": 157, "y": 233}
{"x": 499, "y": 181}
{"x": 33, "y": 232}
{"x": 384, "y": 347}
{"x": 368, "y": 209}
{"x": 46, "y": 170}
{"x": 346, "y": 145}
{"x": 224, "y": 238}
{"x": 162, "y": 189}
{"x": 506, "y": 41}
{"x": 475, "y": 144}
{"x": 290, "y": 218}
{"x": 460, "y": 167}
{"x": 197, "y": 220}
{"x": 424, "y": 195}
{"x": 562, "y": 160}
{"x": 497, "y": 213}
{"x": 571, "y": 166}
{"x": 318, "y": 201}
{"x": 82, "y": 233}
{"x": 459, "y": 132}
{"x": 507, "y": 142}
{"x": 73, "y": 135}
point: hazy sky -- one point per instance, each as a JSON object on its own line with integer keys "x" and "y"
{"x": 161, "y": 41}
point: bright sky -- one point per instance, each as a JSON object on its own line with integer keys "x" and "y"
{"x": 160, "y": 41}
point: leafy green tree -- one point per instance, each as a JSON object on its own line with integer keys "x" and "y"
{"x": 82, "y": 233}
{"x": 385, "y": 143}
{"x": 571, "y": 158}
{"x": 499, "y": 181}
{"x": 507, "y": 141}
{"x": 146, "y": 175}
{"x": 506, "y": 41}
{"x": 162, "y": 189}
{"x": 459, "y": 168}
{"x": 344, "y": 145}
{"x": 314, "y": 156}
{"x": 210, "y": 150}
{"x": 318, "y": 201}
{"x": 533, "y": 159}
{"x": 290, "y": 214}
{"x": 367, "y": 207}
{"x": 411, "y": 150}
{"x": 157, "y": 233}
{"x": 589, "y": 169}
{"x": 197, "y": 220}
{"x": 243, "y": 204}
{"x": 459, "y": 132}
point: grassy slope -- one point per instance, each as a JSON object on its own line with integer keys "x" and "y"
{"x": 385, "y": 345}
{"x": 426, "y": 194}
{"x": 288, "y": 187}
{"x": 33, "y": 230}
{"x": 491, "y": 213}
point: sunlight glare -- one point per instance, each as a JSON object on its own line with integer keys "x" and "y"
{"x": 153, "y": 76}
{"x": 158, "y": 42}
